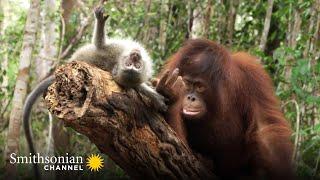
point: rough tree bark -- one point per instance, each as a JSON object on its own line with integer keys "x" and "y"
{"x": 163, "y": 26}
{"x": 122, "y": 124}
{"x": 201, "y": 20}
{"x": 197, "y": 29}
{"x": 48, "y": 40}
{"x": 231, "y": 20}
{"x": 221, "y": 21}
{"x": 265, "y": 32}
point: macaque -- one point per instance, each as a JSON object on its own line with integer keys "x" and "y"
{"x": 127, "y": 60}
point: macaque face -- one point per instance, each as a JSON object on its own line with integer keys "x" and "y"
{"x": 130, "y": 70}
{"x": 193, "y": 105}
{"x": 133, "y": 61}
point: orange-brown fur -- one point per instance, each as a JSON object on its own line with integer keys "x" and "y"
{"x": 244, "y": 131}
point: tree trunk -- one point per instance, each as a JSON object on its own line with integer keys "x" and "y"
{"x": 207, "y": 18}
{"x": 48, "y": 40}
{"x": 293, "y": 40}
{"x": 48, "y": 51}
{"x": 197, "y": 29}
{"x": 312, "y": 20}
{"x": 146, "y": 23}
{"x": 122, "y": 124}
{"x": 231, "y": 20}
{"x": 163, "y": 26}
{"x": 266, "y": 27}
{"x": 201, "y": 20}
{"x": 20, "y": 91}
{"x": 295, "y": 29}
{"x": 221, "y": 21}
{"x": 316, "y": 35}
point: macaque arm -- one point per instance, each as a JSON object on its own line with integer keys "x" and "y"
{"x": 98, "y": 38}
{"x": 156, "y": 98}
{"x": 172, "y": 117}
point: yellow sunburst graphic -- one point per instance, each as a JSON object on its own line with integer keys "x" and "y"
{"x": 94, "y": 162}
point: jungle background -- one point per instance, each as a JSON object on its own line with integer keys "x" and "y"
{"x": 37, "y": 36}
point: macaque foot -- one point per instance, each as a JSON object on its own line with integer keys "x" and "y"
{"x": 99, "y": 14}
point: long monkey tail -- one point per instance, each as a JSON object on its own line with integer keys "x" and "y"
{"x": 31, "y": 99}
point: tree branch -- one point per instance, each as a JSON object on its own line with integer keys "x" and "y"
{"x": 67, "y": 51}
{"x": 122, "y": 124}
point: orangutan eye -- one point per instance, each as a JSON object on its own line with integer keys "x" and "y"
{"x": 187, "y": 84}
{"x": 200, "y": 88}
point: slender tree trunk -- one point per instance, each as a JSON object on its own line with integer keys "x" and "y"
{"x": 163, "y": 26}
{"x": 20, "y": 91}
{"x": 146, "y": 33}
{"x": 288, "y": 34}
{"x": 207, "y": 18}
{"x": 48, "y": 40}
{"x": 197, "y": 28}
{"x": 295, "y": 29}
{"x": 231, "y": 20}
{"x": 293, "y": 39}
{"x": 48, "y": 50}
{"x": 201, "y": 20}
{"x": 190, "y": 19}
{"x": 266, "y": 28}
{"x": 43, "y": 64}
{"x": 314, "y": 43}
{"x": 314, "y": 48}
{"x": 221, "y": 21}
{"x": 312, "y": 20}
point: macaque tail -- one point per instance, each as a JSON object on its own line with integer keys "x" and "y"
{"x": 31, "y": 99}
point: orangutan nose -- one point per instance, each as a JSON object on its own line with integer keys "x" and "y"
{"x": 191, "y": 97}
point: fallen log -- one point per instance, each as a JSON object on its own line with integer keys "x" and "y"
{"x": 122, "y": 123}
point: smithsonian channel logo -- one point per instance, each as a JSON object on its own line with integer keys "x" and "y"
{"x": 94, "y": 162}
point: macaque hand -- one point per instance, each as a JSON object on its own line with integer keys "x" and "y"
{"x": 99, "y": 14}
{"x": 160, "y": 103}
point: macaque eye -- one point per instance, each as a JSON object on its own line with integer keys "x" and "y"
{"x": 137, "y": 65}
{"x": 128, "y": 63}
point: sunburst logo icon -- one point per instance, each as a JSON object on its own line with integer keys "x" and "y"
{"x": 94, "y": 162}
